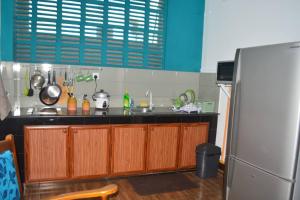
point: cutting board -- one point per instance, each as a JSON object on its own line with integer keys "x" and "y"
{"x": 64, "y": 92}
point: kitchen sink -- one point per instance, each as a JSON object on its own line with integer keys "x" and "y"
{"x": 141, "y": 110}
{"x": 44, "y": 111}
{"x": 48, "y": 111}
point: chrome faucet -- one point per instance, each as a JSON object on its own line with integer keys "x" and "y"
{"x": 149, "y": 93}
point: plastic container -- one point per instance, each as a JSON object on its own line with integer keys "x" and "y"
{"x": 207, "y": 160}
{"x": 207, "y": 106}
{"x": 126, "y": 100}
{"x": 72, "y": 103}
{"x": 85, "y": 104}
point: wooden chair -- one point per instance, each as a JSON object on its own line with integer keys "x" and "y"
{"x": 8, "y": 145}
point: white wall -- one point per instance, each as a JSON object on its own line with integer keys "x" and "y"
{"x": 231, "y": 24}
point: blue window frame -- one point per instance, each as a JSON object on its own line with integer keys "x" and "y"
{"x": 118, "y": 33}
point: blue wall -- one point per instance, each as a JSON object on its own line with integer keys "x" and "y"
{"x": 184, "y": 35}
{"x": 6, "y": 35}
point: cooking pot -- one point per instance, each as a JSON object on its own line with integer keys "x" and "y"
{"x": 102, "y": 99}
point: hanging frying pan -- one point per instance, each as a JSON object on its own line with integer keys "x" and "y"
{"x": 50, "y": 94}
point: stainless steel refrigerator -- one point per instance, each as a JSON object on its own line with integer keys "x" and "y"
{"x": 263, "y": 140}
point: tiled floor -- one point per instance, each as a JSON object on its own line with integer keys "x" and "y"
{"x": 209, "y": 189}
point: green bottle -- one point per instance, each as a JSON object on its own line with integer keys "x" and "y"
{"x": 126, "y": 100}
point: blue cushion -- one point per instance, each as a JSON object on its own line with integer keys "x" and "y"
{"x": 9, "y": 188}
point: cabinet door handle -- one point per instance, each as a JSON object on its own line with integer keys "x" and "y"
{"x": 65, "y": 131}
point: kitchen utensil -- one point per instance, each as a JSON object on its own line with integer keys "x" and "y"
{"x": 190, "y": 96}
{"x": 80, "y": 77}
{"x": 183, "y": 98}
{"x": 26, "y": 78}
{"x": 102, "y": 99}
{"x": 61, "y": 81}
{"x": 50, "y": 94}
{"x": 44, "y": 98}
{"x": 177, "y": 103}
{"x": 71, "y": 89}
{"x": 37, "y": 79}
{"x": 66, "y": 82}
{"x": 88, "y": 77}
{"x": 54, "y": 91}
{"x": 30, "y": 91}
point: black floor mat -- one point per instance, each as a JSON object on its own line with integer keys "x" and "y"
{"x": 161, "y": 183}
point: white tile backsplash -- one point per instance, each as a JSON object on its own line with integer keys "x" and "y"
{"x": 208, "y": 79}
{"x": 208, "y": 89}
{"x": 165, "y": 85}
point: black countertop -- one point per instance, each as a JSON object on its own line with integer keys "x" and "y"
{"x": 112, "y": 112}
{"x": 110, "y": 116}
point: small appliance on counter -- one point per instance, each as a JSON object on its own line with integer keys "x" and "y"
{"x": 102, "y": 99}
{"x": 225, "y": 72}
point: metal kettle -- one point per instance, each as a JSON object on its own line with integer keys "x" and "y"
{"x": 102, "y": 99}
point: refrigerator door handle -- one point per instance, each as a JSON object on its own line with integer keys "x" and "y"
{"x": 233, "y": 137}
{"x": 233, "y": 103}
{"x": 231, "y": 129}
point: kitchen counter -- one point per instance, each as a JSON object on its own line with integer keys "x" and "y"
{"x": 111, "y": 116}
{"x": 15, "y": 122}
{"x": 107, "y": 113}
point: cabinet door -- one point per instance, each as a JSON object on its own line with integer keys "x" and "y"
{"x": 46, "y": 153}
{"x": 192, "y": 135}
{"x": 128, "y": 148}
{"x": 162, "y": 147}
{"x": 89, "y": 150}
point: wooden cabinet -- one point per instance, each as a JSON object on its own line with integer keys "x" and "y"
{"x": 46, "y": 153}
{"x": 128, "y": 148}
{"x": 192, "y": 134}
{"x": 89, "y": 150}
{"x": 162, "y": 147}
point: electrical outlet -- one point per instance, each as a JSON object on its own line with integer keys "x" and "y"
{"x": 95, "y": 75}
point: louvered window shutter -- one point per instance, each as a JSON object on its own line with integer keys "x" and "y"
{"x": 120, "y": 33}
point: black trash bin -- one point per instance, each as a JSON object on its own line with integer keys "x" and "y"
{"x": 207, "y": 160}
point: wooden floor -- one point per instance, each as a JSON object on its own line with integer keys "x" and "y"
{"x": 209, "y": 189}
